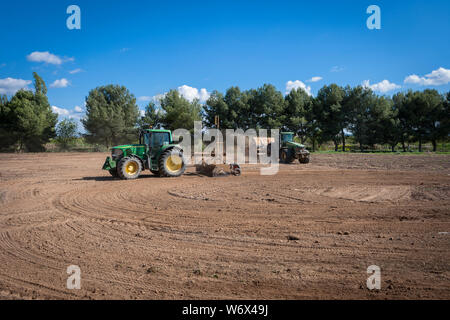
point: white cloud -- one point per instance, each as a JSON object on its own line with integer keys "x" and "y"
{"x": 78, "y": 109}
{"x": 291, "y": 85}
{"x": 11, "y": 85}
{"x": 60, "y": 83}
{"x": 60, "y": 111}
{"x": 337, "y": 69}
{"x": 383, "y": 86}
{"x": 158, "y": 97}
{"x": 125, "y": 49}
{"x": 437, "y": 77}
{"x": 46, "y": 57}
{"x": 191, "y": 93}
{"x": 144, "y": 98}
{"x": 314, "y": 79}
{"x": 142, "y": 112}
{"x": 76, "y": 71}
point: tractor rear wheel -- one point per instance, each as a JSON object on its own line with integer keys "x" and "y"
{"x": 171, "y": 163}
{"x": 286, "y": 156}
{"x": 129, "y": 168}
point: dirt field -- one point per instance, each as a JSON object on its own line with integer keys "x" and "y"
{"x": 196, "y": 237}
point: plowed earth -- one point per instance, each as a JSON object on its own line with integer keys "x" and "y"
{"x": 310, "y": 231}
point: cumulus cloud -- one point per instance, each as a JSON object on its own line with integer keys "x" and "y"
{"x": 383, "y": 86}
{"x": 437, "y": 77}
{"x": 144, "y": 98}
{"x": 191, "y": 93}
{"x": 78, "y": 109}
{"x": 11, "y": 85}
{"x": 158, "y": 97}
{"x": 314, "y": 79}
{"x": 46, "y": 57}
{"x": 187, "y": 92}
{"x": 60, "y": 83}
{"x": 76, "y": 71}
{"x": 291, "y": 85}
{"x": 60, "y": 111}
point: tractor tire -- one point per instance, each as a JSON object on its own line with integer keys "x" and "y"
{"x": 286, "y": 156}
{"x": 114, "y": 173}
{"x": 129, "y": 168}
{"x": 304, "y": 160}
{"x": 171, "y": 163}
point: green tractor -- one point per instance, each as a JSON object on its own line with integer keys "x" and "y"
{"x": 290, "y": 150}
{"x": 155, "y": 151}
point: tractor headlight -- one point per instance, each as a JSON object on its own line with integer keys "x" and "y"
{"x": 116, "y": 153}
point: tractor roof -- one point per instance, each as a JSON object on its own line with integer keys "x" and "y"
{"x": 156, "y": 130}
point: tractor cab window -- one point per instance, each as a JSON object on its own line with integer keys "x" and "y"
{"x": 147, "y": 138}
{"x": 160, "y": 138}
{"x": 287, "y": 137}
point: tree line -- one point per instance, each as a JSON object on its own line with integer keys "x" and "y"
{"x": 337, "y": 112}
{"x": 113, "y": 117}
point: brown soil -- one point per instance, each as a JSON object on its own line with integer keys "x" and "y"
{"x": 196, "y": 237}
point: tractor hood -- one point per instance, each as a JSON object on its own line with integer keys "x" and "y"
{"x": 129, "y": 146}
{"x": 295, "y": 144}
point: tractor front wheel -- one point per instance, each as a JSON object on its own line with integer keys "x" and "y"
{"x": 129, "y": 168}
{"x": 304, "y": 160}
{"x": 171, "y": 163}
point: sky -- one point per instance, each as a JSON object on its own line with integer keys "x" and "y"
{"x": 200, "y": 46}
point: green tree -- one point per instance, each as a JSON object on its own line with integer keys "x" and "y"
{"x": 27, "y": 120}
{"x": 434, "y": 120}
{"x": 178, "y": 112}
{"x": 111, "y": 115}
{"x": 420, "y": 114}
{"x": 151, "y": 118}
{"x": 232, "y": 109}
{"x": 358, "y": 101}
{"x": 267, "y": 108}
{"x": 298, "y": 103}
{"x": 331, "y": 115}
{"x": 66, "y": 132}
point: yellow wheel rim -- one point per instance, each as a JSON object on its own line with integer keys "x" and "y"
{"x": 132, "y": 168}
{"x": 174, "y": 163}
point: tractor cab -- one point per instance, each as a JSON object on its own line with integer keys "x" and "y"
{"x": 155, "y": 138}
{"x": 286, "y": 137}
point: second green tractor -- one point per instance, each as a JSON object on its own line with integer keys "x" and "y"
{"x": 290, "y": 150}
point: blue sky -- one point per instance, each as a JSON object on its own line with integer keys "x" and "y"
{"x": 154, "y": 46}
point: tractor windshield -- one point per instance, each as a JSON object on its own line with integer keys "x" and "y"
{"x": 287, "y": 137}
{"x": 160, "y": 138}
